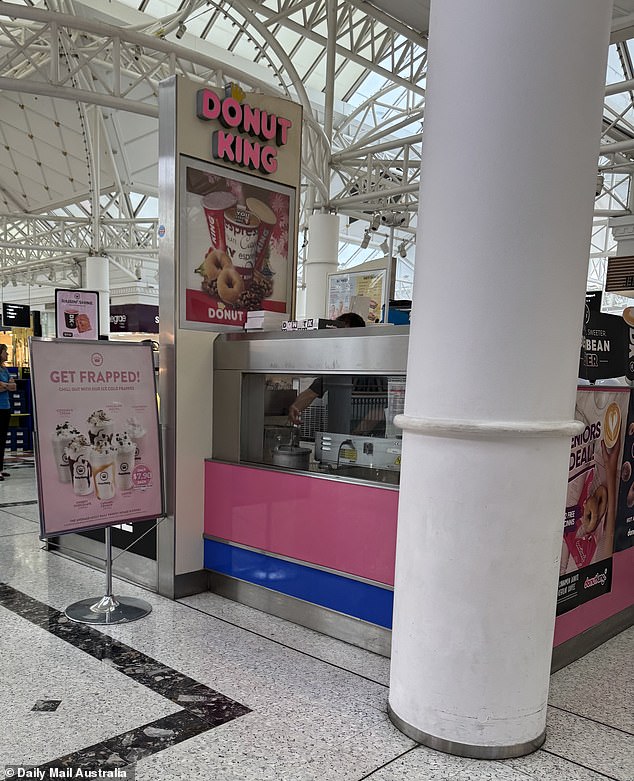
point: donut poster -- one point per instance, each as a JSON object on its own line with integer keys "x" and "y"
{"x": 98, "y": 457}
{"x": 594, "y": 473}
{"x": 236, "y": 245}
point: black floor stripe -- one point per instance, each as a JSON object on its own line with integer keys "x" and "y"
{"x": 203, "y": 708}
{"x": 17, "y": 504}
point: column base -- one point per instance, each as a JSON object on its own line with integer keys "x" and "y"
{"x": 465, "y": 749}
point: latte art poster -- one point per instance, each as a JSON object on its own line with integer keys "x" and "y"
{"x": 237, "y": 245}
{"x": 98, "y": 456}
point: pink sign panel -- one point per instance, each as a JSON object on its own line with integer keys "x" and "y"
{"x": 98, "y": 453}
{"x": 77, "y": 314}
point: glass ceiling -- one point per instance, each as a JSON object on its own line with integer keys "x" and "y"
{"x": 379, "y": 86}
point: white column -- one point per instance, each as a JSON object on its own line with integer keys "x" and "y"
{"x": 323, "y": 250}
{"x": 512, "y": 127}
{"x": 98, "y": 278}
{"x": 623, "y": 234}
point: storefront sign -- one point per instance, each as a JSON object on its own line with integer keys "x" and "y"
{"x": 591, "y": 503}
{"x": 237, "y": 249}
{"x": 98, "y": 455}
{"x": 604, "y": 351}
{"x": 134, "y": 318}
{"x": 76, "y": 314}
{"x": 241, "y": 118}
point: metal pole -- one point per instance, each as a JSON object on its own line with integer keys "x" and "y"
{"x": 108, "y": 562}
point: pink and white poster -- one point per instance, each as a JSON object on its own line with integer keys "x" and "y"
{"x": 98, "y": 452}
{"x": 237, "y": 235}
{"x": 77, "y": 314}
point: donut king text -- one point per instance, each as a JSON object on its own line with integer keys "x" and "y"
{"x": 583, "y": 446}
{"x": 71, "y": 376}
{"x": 243, "y": 118}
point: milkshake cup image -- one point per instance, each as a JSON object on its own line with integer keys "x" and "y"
{"x": 268, "y": 221}
{"x": 82, "y": 477}
{"x": 79, "y": 446}
{"x": 136, "y": 432}
{"x": 62, "y": 437}
{"x": 124, "y": 461}
{"x": 214, "y": 205}
{"x": 99, "y": 421}
{"x": 103, "y": 470}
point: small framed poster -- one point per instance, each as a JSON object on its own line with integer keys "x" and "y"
{"x": 98, "y": 455}
{"x": 76, "y": 314}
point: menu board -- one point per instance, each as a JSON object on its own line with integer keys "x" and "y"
{"x": 362, "y": 292}
{"x": 98, "y": 455}
{"x": 76, "y": 314}
{"x": 237, "y": 253}
{"x": 16, "y": 315}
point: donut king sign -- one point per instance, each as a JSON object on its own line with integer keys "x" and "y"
{"x": 252, "y": 136}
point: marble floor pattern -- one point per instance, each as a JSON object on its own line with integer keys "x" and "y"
{"x": 205, "y": 688}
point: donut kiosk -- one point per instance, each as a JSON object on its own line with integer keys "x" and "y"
{"x": 301, "y": 523}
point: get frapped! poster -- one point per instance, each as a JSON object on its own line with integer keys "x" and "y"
{"x": 236, "y": 239}
{"x": 98, "y": 451}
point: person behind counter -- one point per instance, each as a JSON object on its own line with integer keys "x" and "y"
{"x": 6, "y": 384}
{"x": 316, "y": 390}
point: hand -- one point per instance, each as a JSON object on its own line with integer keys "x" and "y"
{"x": 294, "y": 415}
{"x": 11, "y": 386}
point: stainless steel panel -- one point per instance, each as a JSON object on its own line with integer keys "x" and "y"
{"x": 375, "y": 350}
{"x": 168, "y": 314}
{"x": 351, "y": 630}
{"x": 126, "y": 565}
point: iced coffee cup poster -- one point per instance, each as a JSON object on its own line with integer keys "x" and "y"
{"x": 236, "y": 245}
{"x": 97, "y": 438}
{"x": 77, "y": 314}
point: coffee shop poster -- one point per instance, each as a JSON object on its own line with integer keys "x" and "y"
{"x": 236, "y": 246}
{"x": 76, "y": 314}
{"x": 98, "y": 455}
{"x": 592, "y": 512}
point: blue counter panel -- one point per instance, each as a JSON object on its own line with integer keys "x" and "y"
{"x": 336, "y": 592}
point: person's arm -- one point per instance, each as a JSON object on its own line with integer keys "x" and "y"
{"x": 304, "y": 399}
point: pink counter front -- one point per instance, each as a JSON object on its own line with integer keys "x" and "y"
{"x": 332, "y": 543}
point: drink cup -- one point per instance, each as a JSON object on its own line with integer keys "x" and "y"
{"x": 139, "y": 446}
{"x": 77, "y": 448}
{"x": 103, "y": 470}
{"x": 268, "y": 221}
{"x": 214, "y": 206}
{"x": 241, "y": 234}
{"x": 60, "y": 444}
{"x": 124, "y": 464}
{"x": 70, "y": 318}
{"x": 101, "y": 432}
{"x": 82, "y": 477}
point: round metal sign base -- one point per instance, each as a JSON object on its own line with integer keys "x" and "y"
{"x": 108, "y": 610}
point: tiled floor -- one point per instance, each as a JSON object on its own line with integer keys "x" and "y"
{"x": 205, "y": 688}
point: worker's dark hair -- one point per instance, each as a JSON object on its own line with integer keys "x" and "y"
{"x": 350, "y": 320}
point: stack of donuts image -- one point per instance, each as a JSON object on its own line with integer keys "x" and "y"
{"x": 222, "y": 280}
